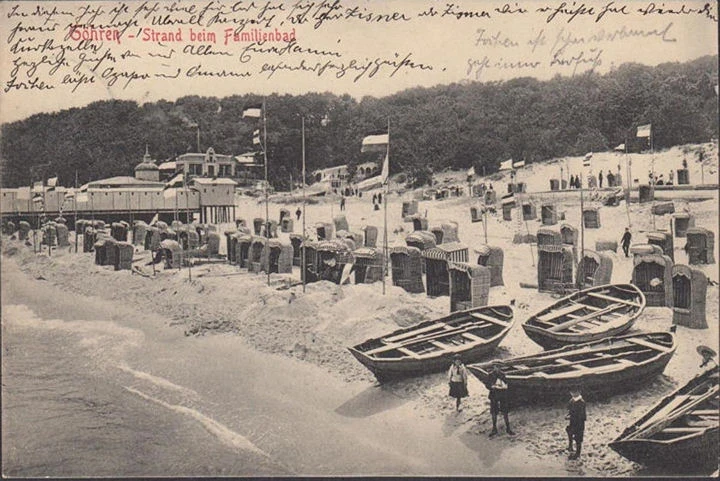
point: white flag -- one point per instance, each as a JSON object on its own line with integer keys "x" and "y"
{"x": 256, "y": 137}
{"x": 643, "y": 130}
{"x": 471, "y": 171}
{"x": 507, "y": 165}
{"x": 517, "y": 165}
{"x": 254, "y": 111}
{"x": 52, "y": 182}
{"x": 375, "y": 143}
{"x": 620, "y": 148}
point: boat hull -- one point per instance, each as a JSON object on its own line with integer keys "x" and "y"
{"x": 553, "y": 340}
{"x": 388, "y": 370}
{"x": 692, "y": 453}
{"x": 499, "y": 319}
{"x": 594, "y": 383}
{"x": 560, "y": 340}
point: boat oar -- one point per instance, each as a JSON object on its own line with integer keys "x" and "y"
{"x": 430, "y": 337}
{"x": 659, "y": 425}
{"x": 533, "y": 369}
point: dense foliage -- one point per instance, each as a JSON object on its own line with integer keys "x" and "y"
{"x": 451, "y": 126}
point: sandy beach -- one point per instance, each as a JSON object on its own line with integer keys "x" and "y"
{"x": 307, "y": 334}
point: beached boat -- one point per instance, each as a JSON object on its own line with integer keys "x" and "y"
{"x": 586, "y": 315}
{"x": 681, "y": 430}
{"x": 598, "y": 368}
{"x": 431, "y": 345}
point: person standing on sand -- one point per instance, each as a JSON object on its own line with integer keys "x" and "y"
{"x": 298, "y": 213}
{"x": 625, "y": 241}
{"x": 342, "y": 203}
{"x": 457, "y": 378}
{"x": 497, "y": 385}
{"x": 600, "y": 179}
{"x": 576, "y": 428}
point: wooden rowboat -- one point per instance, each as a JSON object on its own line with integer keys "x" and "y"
{"x": 681, "y": 430}
{"x": 431, "y": 345}
{"x": 599, "y": 368}
{"x": 586, "y": 316}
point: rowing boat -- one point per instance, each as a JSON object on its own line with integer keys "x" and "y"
{"x": 586, "y": 316}
{"x": 681, "y": 430}
{"x": 431, "y": 345}
{"x": 598, "y": 368}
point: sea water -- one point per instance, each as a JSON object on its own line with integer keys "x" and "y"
{"x": 72, "y": 406}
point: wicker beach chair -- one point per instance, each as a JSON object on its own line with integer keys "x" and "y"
{"x": 409, "y": 208}
{"x": 652, "y": 274}
{"x": 368, "y": 265}
{"x": 255, "y": 259}
{"x": 407, "y": 267}
{"x": 663, "y": 208}
{"x": 681, "y": 222}
{"x": 436, "y": 266}
{"x": 419, "y": 223}
{"x": 591, "y": 217}
{"x": 242, "y": 250}
{"x": 529, "y": 211}
{"x": 555, "y": 269}
{"x": 664, "y": 240}
{"x": 549, "y": 214}
{"x": 341, "y": 223}
{"x": 139, "y": 229}
{"x": 23, "y": 230}
{"x": 310, "y": 273}
{"x": 700, "y": 246}
{"x": 370, "y": 236}
{"x": 125, "y": 252}
{"x": 173, "y": 254}
{"x": 286, "y": 225}
{"x": 63, "y": 235}
{"x": 689, "y": 295}
{"x": 493, "y": 258}
{"x": 594, "y": 269}
{"x": 469, "y": 286}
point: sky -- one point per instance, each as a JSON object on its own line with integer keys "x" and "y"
{"x": 464, "y": 41}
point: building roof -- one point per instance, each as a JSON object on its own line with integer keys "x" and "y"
{"x": 146, "y": 166}
{"x": 204, "y": 157}
{"x": 172, "y": 165}
{"x": 216, "y": 181}
{"x": 335, "y": 168}
{"x": 123, "y": 181}
{"x": 147, "y": 163}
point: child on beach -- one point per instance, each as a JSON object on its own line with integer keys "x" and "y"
{"x": 576, "y": 428}
{"x": 497, "y": 385}
{"x": 457, "y": 378}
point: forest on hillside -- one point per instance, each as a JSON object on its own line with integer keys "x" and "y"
{"x": 431, "y": 129}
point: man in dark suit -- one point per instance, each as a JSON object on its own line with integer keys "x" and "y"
{"x": 576, "y": 428}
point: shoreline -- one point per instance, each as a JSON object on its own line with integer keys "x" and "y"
{"x": 441, "y": 443}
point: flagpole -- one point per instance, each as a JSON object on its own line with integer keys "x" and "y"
{"x": 385, "y": 199}
{"x": 187, "y": 222}
{"x": 75, "y": 204}
{"x": 198, "y": 136}
{"x": 303, "y": 274}
{"x": 652, "y": 152}
{"x": 582, "y": 233}
{"x": 267, "y": 185}
{"x": 629, "y": 181}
